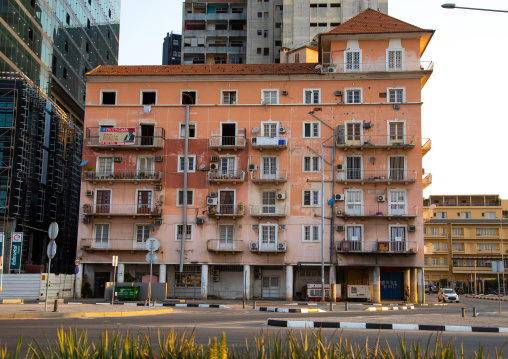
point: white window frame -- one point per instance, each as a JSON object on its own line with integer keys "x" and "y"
{"x": 223, "y": 242}
{"x": 435, "y": 261}
{"x": 357, "y": 209}
{"x": 485, "y": 232}
{"x": 189, "y": 90}
{"x": 271, "y": 208}
{"x": 313, "y": 127}
{"x": 138, "y": 164}
{"x": 177, "y": 226}
{"x": 406, "y": 233}
{"x": 434, "y": 231}
{"x": 312, "y": 92}
{"x": 260, "y": 235}
{"x": 144, "y": 189}
{"x": 490, "y": 215}
{"x": 486, "y": 247}
{"x": 347, "y": 134}
{"x": 264, "y": 123}
{"x": 354, "y": 67}
{"x": 110, "y": 196}
{"x": 314, "y": 230}
{"x": 444, "y": 246}
{"x": 148, "y": 90}
{"x": 396, "y": 139}
{"x": 190, "y": 170}
{"x": 181, "y": 128}
{"x": 266, "y": 173}
{"x": 178, "y": 204}
{"x": 390, "y": 89}
{"x": 263, "y": 91}
{"x": 467, "y": 215}
{"x": 436, "y": 246}
{"x": 312, "y": 194}
{"x": 311, "y": 164}
{"x": 354, "y": 225}
{"x": 98, "y": 172}
{"x": 348, "y": 170}
{"x": 390, "y": 169}
{"x": 394, "y": 68}
{"x": 458, "y": 247}
{"x": 347, "y": 90}
{"x": 95, "y": 235}
{"x": 137, "y": 243}
{"x": 116, "y": 97}
{"x": 222, "y": 97}
{"x": 390, "y": 209}
{"x": 458, "y": 231}
{"x": 441, "y": 215}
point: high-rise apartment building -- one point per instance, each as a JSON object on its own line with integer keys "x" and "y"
{"x": 232, "y": 167}
{"x": 172, "y": 49}
{"x": 254, "y": 31}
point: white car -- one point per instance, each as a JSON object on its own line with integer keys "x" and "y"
{"x": 447, "y": 295}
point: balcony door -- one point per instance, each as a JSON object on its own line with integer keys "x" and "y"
{"x": 354, "y": 167}
{"x": 147, "y": 135}
{"x": 354, "y": 237}
{"x": 146, "y": 166}
{"x": 398, "y": 238}
{"x": 103, "y": 201}
{"x": 269, "y": 199}
{"x": 227, "y": 167}
{"x": 396, "y": 132}
{"x": 270, "y": 129}
{"x": 101, "y": 239}
{"x": 144, "y": 204}
{"x": 397, "y": 168}
{"x": 271, "y": 287}
{"x": 354, "y": 202}
{"x": 104, "y": 167}
{"x": 268, "y": 237}
{"x": 228, "y": 134}
{"x": 227, "y": 202}
{"x": 226, "y": 235}
{"x": 269, "y": 168}
{"x": 354, "y": 134}
{"x": 397, "y": 202}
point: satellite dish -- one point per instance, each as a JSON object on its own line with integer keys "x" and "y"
{"x": 83, "y": 163}
{"x": 317, "y": 67}
{"x": 373, "y": 159}
{"x": 331, "y": 201}
{"x": 432, "y": 206}
{"x": 255, "y": 130}
{"x": 202, "y": 166}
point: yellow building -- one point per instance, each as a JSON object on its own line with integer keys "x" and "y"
{"x": 462, "y": 238}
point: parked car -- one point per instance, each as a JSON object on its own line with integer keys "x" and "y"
{"x": 447, "y": 295}
{"x": 496, "y": 292}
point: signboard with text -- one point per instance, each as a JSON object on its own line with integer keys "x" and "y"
{"x": 117, "y": 136}
{"x": 1, "y": 244}
{"x": 17, "y": 239}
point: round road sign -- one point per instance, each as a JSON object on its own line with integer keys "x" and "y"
{"x": 151, "y": 257}
{"x": 152, "y": 244}
{"x": 77, "y": 262}
{"x": 53, "y": 230}
{"x": 51, "y": 251}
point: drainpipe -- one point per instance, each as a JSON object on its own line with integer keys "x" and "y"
{"x": 185, "y": 170}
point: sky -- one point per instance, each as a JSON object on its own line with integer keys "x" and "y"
{"x": 465, "y": 104}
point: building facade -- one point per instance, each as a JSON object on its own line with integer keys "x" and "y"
{"x": 232, "y": 167}
{"x": 254, "y": 31}
{"x": 465, "y": 235}
{"x": 172, "y": 49}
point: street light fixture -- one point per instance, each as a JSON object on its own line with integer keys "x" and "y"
{"x": 453, "y": 6}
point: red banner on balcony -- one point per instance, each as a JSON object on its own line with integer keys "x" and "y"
{"x": 117, "y": 136}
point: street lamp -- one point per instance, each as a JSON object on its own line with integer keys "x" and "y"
{"x": 453, "y": 6}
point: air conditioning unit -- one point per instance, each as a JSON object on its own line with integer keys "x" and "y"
{"x": 411, "y": 228}
{"x": 89, "y": 192}
{"x": 282, "y": 227}
{"x": 253, "y": 246}
{"x": 214, "y": 166}
{"x": 339, "y": 197}
{"x": 157, "y": 222}
{"x": 338, "y": 93}
{"x": 339, "y": 228}
{"x": 158, "y": 187}
{"x": 253, "y": 167}
{"x": 332, "y": 69}
{"x": 281, "y": 246}
{"x": 282, "y": 129}
{"x": 367, "y": 124}
{"x": 215, "y": 278}
{"x": 117, "y": 159}
{"x": 211, "y": 201}
{"x": 265, "y": 102}
{"x": 281, "y": 196}
{"x": 214, "y": 159}
{"x": 158, "y": 158}
{"x": 214, "y": 194}
{"x": 86, "y": 220}
{"x": 255, "y": 227}
{"x": 396, "y": 106}
{"x": 340, "y": 167}
{"x": 215, "y": 272}
{"x": 285, "y": 93}
{"x": 381, "y": 198}
{"x": 200, "y": 220}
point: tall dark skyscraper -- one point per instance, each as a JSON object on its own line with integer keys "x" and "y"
{"x": 172, "y": 49}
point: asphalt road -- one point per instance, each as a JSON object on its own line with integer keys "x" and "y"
{"x": 242, "y": 324}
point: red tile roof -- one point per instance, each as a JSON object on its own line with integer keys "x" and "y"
{"x": 373, "y": 22}
{"x": 236, "y": 69}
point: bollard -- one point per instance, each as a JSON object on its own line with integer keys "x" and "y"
{"x": 331, "y": 306}
{"x": 474, "y": 311}
{"x": 253, "y": 304}
{"x": 154, "y": 302}
{"x": 55, "y": 307}
{"x": 463, "y": 312}
{"x": 146, "y": 301}
{"x": 346, "y": 306}
{"x": 243, "y": 304}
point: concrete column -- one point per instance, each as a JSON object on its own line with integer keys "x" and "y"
{"x": 162, "y": 273}
{"x": 120, "y": 273}
{"x": 289, "y": 282}
{"x": 79, "y": 281}
{"x": 376, "y": 295}
{"x": 413, "y": 290}
{"x": 407, "y": 281}
{"x": 421, "y": 286}
{"x": 246, "y": 282}
{"x": 332, "y": 274}
{"x": 204, "y": 281}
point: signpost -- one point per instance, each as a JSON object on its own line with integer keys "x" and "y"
{"x": 114, "y": 263}
{"x": 152, "y": 244}
{"x": 51, "y": 251}
{"x": 76, "y": 271}
{"x": 498, "y": 267}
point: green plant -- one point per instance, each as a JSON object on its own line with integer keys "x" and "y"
{"x": 86, "y": 290}
{"x": 240, "y": 207}
{"x": 89, "y": 168}
{"x": 443, "y": 282}
{"x": 127, "y": 277}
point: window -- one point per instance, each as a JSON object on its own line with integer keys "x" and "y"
{"x": 189, "y": 97}
{"x": 108, "y": 98}
{"x": 176, "y": 42}
{"x": 435, "y": 261}
{"x": 269, "y": 167}
{"x": 148, "y": 97}
{"x": 104, "y": 166}
{"x": 266, "y": 14}
{"x": 180, "y": 232}
{"x": 441, "y": 215}
{"x": 353, "y": 133}
{"x": 486, "y": 247}
{"x": 458, "y": 247}
{"x": 397, "y": 202}
{"x": 311, "y": 96}
{"x": 311, "y": 198}
{"x": 353, "y": 61}
{"x": 269, "y": 200}
{"x": 192, "y": 163}
{"x": 458, "y": 231}
{"x": 226, "y": 236}
{"x": 144, "y": 201}
{"x": 434, "y": 231}
{"x": 445, "y": 261}
{"x": 297, "y": 61}
{"x": 481, "y": 232}
{"x": 260, "y": 32}
{"x": 354, "y": 202}
{"x": 436, "y": 246}
{"x": 424, "y": 230}
{"x": 354, "y": 233}
{"x": 260, "y": 14}
{"x": 142, "y": 234}
{"x": 395, "y": 95}
{"x": 311, "y": 130}
{"x": 354, "y": 167}
{"x": 265, "y": 33}
{"x": 268, "y": 236}
{"x": 146, "y": 165}
{"x": 269, "y": 97}
{"x": 490, "y": 215}
{"x": 465, "y": 215}
{"x": 444, "y": 246}
{"x": 266, "y": 51}
{"x": 101, "y": 239}
{"x": 229, "y": 97}
{"x": 258, "y": 51}
{"x": 311, "y": 164}
{"x": 443, "y": 231}
{"x": 354, "y": 96}
{"x": 192, "y": 130}
{"x": 311, "y": 233}
{"x": 398, "y": 238}
{"x": 278, "y": 25}
{"x": 180, "y": 198}
{"x": 395, "y": 60}
{"x": 397, "y": 166}
{"x": 227, "y": 167}
{"x": 270, "y": 129}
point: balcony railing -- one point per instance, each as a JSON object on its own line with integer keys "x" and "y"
{"x": 427, "y": 180}
{"x": 383, "y": 66}
{"x": 112, "y": 244}
{"x": 392, "y": 175}
{"x": 276, "y": 210}
{"x": 377, "y": 247}
{"x": 426, "y": 145}
{"x": 222, "y": 245}
{"x": 153, "y": 142}
{"x": 227, "y": 142}
{"x": 226, "y": 176}
{"x": 262, "y": 142}
{"x": 268, "y": 176}
{"x": 123, "y": 176}
{"x": 259, "y": 247}
{"x": 226, "y": 210}
{"x": 109, "y": 210}
{"x": 380, "y": 210}
{"x": 346, "y": 141}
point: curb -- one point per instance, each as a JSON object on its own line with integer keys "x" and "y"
{"x": 503, "y": 299}
{"x": 347, "y": 325}
{"x": 389, "y": 308}
{"x": 81, "y": 315}
{"x": 190, "y": 305}
{"x": 288, "y": 310}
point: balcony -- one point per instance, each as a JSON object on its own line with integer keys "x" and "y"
{"x": 112, "y": 244}
{"x": 121, "y": 210}
{"x": 381, "y": 210}
{"x": 268, "y": 176}
{"x": 377, "y": 247}
{"x": 258, "y": 247}
{"x": 427, "y": 180}
{"x": 362, "y": 142}
{"x": 227, "y": 176}
{"x": 215, "y": 16}
{"x": 274, "y": 211}
{"x": 226, "y": 211}
{"x": 227, "y": 143}
{"x": 262, "y": 142}
{"x": 154, "y": 142}
{"x": 375, "y": 66}
{"x": 219, "y": 246}
{"x": 466, "y": 201}
{"x": 426, "y": 146}
{"x": 123, "y": 176}
{"x": 397, "y": 175}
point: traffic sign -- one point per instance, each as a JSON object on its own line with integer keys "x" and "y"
{"x": 151, "y": 257}
{"x": 53, "y": 230}
{"x": 76, "y": 270}
{"x": 51, "y": 251}
{"x": 152, "y": 244}
{"x": 77, "y": 262}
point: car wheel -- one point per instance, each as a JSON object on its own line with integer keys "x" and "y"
{"x": 458, "y": 301}
{"x": 438, "y": 299}
{"x": 444, "y": 300}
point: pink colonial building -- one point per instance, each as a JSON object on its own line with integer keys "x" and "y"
{"x": 232, "y": 166}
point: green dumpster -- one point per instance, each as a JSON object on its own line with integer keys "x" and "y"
{"x": 127, "y": 292}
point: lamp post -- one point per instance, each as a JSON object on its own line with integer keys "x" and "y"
{"x": 502, "y": 250}
{"x": 453, "y": 6}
